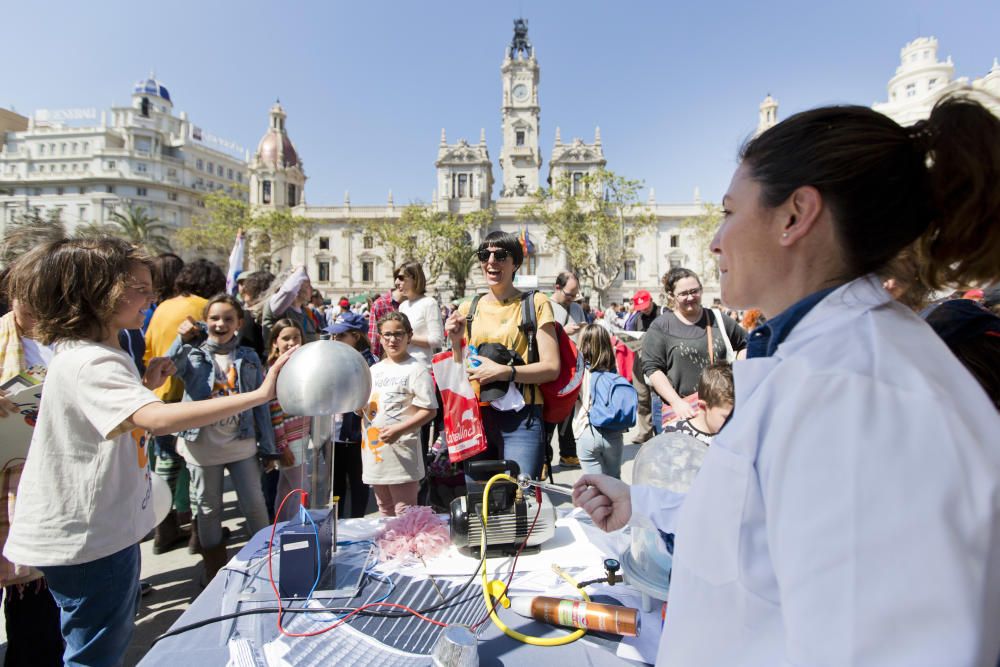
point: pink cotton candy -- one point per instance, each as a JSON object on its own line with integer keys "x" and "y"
{"x": 416, "y": 532}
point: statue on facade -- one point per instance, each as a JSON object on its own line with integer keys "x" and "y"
{"x": 520, "y": 42}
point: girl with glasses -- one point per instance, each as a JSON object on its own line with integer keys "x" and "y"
{"x": 512, "y": 434}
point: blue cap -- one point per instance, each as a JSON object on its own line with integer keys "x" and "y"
{"x": 347, "y": 321}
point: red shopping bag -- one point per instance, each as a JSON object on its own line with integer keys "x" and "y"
{"x": 463, "y": 425}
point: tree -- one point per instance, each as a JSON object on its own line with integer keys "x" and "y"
{"x": 588, "y": 219}
{"x": 268, "y": 232}
{"x": 29, "y": 229}
{"x": 441, "y": 242}
{"x": 702, "y": 229}
{"x": 135, "y": 226}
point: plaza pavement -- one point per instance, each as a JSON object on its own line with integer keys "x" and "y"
{"x": 175, "y": 574}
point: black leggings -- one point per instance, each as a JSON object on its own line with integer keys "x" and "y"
{"x": 347, "y": 472}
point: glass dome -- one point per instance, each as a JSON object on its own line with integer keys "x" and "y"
{"x": 151, "y": 86}
{"x": 669, "y": 461}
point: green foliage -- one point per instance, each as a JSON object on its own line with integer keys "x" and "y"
{"x": 135, "y": 226}
{"x": 441, "y": 242}
{"x": 702, "y": 229}
{"x": 29, "y": 229}
{"x": 589, "y": 224}
{"x": 268, "y": 232}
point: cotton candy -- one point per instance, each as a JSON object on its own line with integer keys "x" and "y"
{"x": 417, "y": 532}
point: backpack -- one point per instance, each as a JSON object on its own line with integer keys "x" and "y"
{"x": 614, "y": 402}
{"x": 559, "y": 395}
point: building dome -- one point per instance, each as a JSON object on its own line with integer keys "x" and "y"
{"x": 150, "y": 86}
{"x": 268, "y": 152}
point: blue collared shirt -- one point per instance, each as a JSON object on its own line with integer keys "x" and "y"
{"x": 765, "y": 339}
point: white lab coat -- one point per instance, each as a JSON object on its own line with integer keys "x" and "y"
{"x": 849, "y": 513}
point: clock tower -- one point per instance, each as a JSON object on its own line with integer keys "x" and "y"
{"x": 520, "y": 157}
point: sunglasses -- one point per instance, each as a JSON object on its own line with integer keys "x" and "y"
{"x": 500, "y": 254}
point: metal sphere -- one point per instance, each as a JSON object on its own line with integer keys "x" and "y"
{"x": 324, "y": 377}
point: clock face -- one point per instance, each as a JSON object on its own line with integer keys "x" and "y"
{"x": 520, "y": 92}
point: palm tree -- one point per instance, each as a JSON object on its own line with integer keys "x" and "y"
{"x": 29, "y": 229}
{"x": 137, "y": 227}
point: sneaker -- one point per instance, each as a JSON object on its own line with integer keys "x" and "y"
{"x": 569, "y": 461}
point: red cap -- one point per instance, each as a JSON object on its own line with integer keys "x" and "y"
{"x": 344, "y": 303}
{"x": 641, "y": 300}
{"x": 973, "y": 294}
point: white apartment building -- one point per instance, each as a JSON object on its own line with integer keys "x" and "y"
{"x": 88, "y": 164}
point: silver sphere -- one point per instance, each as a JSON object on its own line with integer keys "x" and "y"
{"x": 324, "y": 377}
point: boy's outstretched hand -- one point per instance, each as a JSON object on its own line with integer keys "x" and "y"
{"x": 607, "y": 500}
{"x": 270, "y": 385}
{"x": 157, "y": 371}
{"x": 7, "y": 406}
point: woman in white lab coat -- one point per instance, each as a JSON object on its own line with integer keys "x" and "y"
{"x": 849, "y": 512}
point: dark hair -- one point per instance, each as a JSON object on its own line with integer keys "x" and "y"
{"x": 166, "y": 266}
{"x": 563, "y": 278}
{"x": 675, "y": 275}
{"x": 255, "y": 283}
{"x": 276, "y": 329}
{"x": 396, "y": 316}
{"x": 362, "y": 342}
{"x": 888, "y": 186}
{"x": 715, "y": 386}
{"x": 596, "y": 348}
{"x": 904, "y": 270}
{"x": 507, "y": 241}
{"x": 227, "y": 299}
{"x": 201, "y": 278}
{"x": 73, "y": 286}
{"x": 415, "y": 271}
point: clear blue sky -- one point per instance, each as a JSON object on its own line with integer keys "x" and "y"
{"x": 368, "y": 85}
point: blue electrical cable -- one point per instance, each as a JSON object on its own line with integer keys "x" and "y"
{"x": 303, "y": 512}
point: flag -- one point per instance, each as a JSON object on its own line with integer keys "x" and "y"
{"x": 235, "y": 264}
{"x": 526, "y": 244}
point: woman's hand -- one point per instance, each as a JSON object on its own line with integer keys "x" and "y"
{"x": 487, "y": 370}
{"x": 683, "y": 409}
{"x": 607, "y": 500}
{"x": 7, "y": 406}
{"x": 269, "y": 387}
{"x": 157, "y": 372}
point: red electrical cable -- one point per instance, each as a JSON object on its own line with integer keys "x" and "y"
{"x": 277, "y": 595}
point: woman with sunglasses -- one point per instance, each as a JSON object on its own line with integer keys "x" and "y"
{"x": 676, "y": 350}
{"x": 511, "y": 434}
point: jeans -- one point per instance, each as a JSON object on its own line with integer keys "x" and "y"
{"x": 98, "y": 602}
{"x": 657, "y": 410}
{"x": 567, "y": 440}
{"x": 516, "y": 436}
{"x": 601, "y": 452}
{"x": 206, "y": 497}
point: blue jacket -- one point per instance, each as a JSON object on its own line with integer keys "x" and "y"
{"x": 196, "y": 368}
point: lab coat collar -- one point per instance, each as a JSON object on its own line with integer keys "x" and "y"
{"x": 850, "y": 300}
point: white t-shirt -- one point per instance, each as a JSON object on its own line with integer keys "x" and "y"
{"x": 217, "y": 443}
{"x": 36, "y": 354}
{"x": 425, "y": 318}
{"x": 397, "y": 391}
{"x": 85, "y": 492}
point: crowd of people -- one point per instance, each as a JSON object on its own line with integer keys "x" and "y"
{"x": 846, "y": 511}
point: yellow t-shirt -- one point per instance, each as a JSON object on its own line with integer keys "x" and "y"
{"x": 162, "y": 331}
{"x": 498, "y": 322}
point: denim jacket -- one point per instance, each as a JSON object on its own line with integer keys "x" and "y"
{"x": 196, "y": 368}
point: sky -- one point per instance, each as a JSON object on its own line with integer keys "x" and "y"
{"x": 367, "y": 86}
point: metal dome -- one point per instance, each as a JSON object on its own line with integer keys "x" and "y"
{"x": 150, "y": 86}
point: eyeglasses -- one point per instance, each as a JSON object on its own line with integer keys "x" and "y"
{"x": 690, "y": 292}
{"x": 499, "y": 254}
{"x": 572, "y": 296}
{"x": 393, "y": 335}
{"x": 400, "y": 276}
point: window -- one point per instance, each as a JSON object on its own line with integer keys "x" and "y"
{"x": 911, "y": 89}
{"x": 60, "y": 191}
{"x": 368, "y": 243}
{"x": 675, "y": 263}
{"x": 292, "y": 194}
{"x": 229, "y": 174}
{"x": 463, "y": 182}
{"x": 83, "y": 213}
{"x": 211, "y": 167}
{"x": 519, "y": 138}
{"x": 73, "y": 148}
{"x": 199, "y": 164}
{"x": 171, "y": 172}
{"x": 324, "y": 243}
{"x": 530, "y": 265}
{"x": 86, "y": 146}
{"x": 218, "y": 171}
{"x": 629, "y": 241}
{"x": 324, "y": 272}
{"x": 931, "y": 84}
{"x": 141, "y": 192}
{"x": 630, "y": 273}
{"x": 111, "y": 164}
{"x": 239, "y": 177}
{"x": 62, "y": 149}
{"x": 144, "y": 108}
{"x": 140, "y": 167}
{"x": 37, "y": 192}
{"x": 83, "y": 189}
{"x": 211, "y": 185}
{"x": 110, "y": 189}
{"x": 41, "y": 149}
{"x": 172, "y": 196}
{"x": 265, "y": 195}
{"x": 675, "y": 240}
{"x": 577, "y": 183}
{"x": 368, "y": 271}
